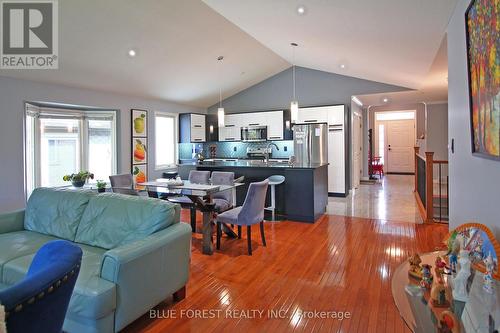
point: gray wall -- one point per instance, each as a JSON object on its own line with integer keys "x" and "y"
{"x": 437, "y": 130}
{"x": 313, "y": 88}
{"x": 13, "y": 94}
{"x": 474, "y": 181}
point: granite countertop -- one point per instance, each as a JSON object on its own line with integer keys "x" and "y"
{"x": 255, "y": 164}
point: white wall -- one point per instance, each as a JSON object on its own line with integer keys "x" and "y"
{"x": 474, "y": 181}
{"x": 13, "y": 94}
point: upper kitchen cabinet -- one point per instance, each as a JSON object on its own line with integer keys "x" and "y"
{"x": 274, "y": 122}
{"x": 232, "y": 128}
{"x": 212, "y": 128}
{"x": 333, "y": 115}
{"x": 192, "y": 127}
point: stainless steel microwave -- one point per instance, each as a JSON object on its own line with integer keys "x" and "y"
{"x": 254, "y": 133}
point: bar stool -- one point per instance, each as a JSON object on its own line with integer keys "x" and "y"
{"x": 273, "y": 181}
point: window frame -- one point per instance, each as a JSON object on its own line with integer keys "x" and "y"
{"x": 175, "y": 117}
{"x": 32, "y": 174}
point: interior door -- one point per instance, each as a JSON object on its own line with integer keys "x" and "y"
{"x": 400, "y": 136}
{"x": 357, "y": 150}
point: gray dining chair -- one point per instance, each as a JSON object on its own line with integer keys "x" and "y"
{"x": 123, "y": 184}
{"x": 223, "y": 200}
{"x": 252, "y": 212}
{"x": 195, "y": 177}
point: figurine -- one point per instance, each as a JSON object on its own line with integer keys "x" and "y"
{"x": 488, "y": 276}
{"x": 460, "y": 280}
{"x": 439, "y": 269}
{"x": 448, "y": 323}
{"x": 453, "y": 254}
{"x": 438, "y": 296}
{"x": 415, "y": 270}
{"x": 427, "y": 277}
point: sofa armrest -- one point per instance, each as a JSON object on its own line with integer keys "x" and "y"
{"x": 148, "y": 271}
{"x": 12, "y": 221}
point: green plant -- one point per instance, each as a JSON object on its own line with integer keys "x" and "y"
{"x": 101, "y": 184}
{"x": 81, "y": 176}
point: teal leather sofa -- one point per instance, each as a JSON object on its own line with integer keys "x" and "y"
{"x": 135, "y": 252}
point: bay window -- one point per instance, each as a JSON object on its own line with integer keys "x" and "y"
{"x": 64, "y": 141}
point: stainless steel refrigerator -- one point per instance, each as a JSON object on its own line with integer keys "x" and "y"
{"x": 310, "y": 143}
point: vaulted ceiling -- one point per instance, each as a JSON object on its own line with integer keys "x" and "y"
{"x": 178, "y": 42}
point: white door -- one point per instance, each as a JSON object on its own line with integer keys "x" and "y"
{"x": 400, "y": 140}
{"x": 336, "y": 160}
{"x": 357, "y": 139}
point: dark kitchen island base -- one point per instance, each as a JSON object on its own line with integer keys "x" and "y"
{"x": 302, "y": 197}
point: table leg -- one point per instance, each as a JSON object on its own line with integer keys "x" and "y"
{"x": 208, "y": 247}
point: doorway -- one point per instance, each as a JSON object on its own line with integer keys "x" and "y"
{"x": 395, "y": 137}
{"x": 357, "y": 149}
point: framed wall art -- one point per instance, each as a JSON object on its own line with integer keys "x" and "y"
{"x": 483, "y": 60}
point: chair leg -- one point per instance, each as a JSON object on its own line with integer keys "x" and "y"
{"x": 219, "y": 234}
{"x": 239, "y": 232}
{"x": 249, "y": 239}
{"x": 193, "y": 218}
{"x": 262, "y": 233}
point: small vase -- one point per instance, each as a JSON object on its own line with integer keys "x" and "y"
{"x": 78, "y": 183}
{"x": 101, "y": 190}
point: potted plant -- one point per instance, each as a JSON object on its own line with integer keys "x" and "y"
{"x": 101, "y": 186}
{"x": 78, "y": 179}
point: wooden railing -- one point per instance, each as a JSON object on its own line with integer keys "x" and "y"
{"x": 432, "y": 208}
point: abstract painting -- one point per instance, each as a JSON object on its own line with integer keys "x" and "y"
{"x": 482, "y": 20}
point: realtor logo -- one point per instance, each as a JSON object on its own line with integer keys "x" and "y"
{"x": 29, "y": 38}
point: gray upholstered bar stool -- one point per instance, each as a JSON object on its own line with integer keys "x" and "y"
{"x": 273, "y": 182}
{"x": 123, "y": 184}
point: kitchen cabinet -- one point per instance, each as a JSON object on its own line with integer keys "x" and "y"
{"x": 274, "y": 122}
{"x": 192, "y": 128}
{"x": 232, "y": 128}
{"x": 313, "y": 115}
{"x": 336, "y": 115}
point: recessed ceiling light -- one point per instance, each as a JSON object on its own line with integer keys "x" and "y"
{"x": 132, "y": 53}
{"x": 385, "y": 100}
{"x": 301, "y": 10}
{"x": 342, "y": 66}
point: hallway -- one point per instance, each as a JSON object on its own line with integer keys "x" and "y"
{"x": 392, "y": 199}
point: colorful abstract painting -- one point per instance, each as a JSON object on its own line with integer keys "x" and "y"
{"x": 483, "y": 48}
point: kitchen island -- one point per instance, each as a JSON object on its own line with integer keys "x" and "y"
{"x": 302, "y": 197}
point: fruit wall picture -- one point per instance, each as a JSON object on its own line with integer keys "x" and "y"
{"x": 139, "y": 147}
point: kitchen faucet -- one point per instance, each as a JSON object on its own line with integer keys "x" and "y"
{"x": 269, "y": 151}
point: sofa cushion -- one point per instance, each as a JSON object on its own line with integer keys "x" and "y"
{"x": 93, "y": 297}
{"x": 18, "y": 244}
{"x": 56, "y": 212}
{"x": 112, "y": 219}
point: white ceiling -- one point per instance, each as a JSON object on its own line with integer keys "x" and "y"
{"x": 177, "y": 45}
{"x": 390, "y": 41}
{"x": 434, "y": 88}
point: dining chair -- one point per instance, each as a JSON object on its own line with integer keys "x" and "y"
{"x": 195, "y": 177}
{"x": 39, "y": 302}
{"x": 123, "y": 184}
{"x": 223, "y": 200}
{"x": 252, "y": 212}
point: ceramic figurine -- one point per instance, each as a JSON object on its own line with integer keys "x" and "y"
{"x": 453, "y": 255}
{"x": 488, "y": 276}
{"x": 439, "y": 269}
{"x": 415, "y": 270}
{"x": 426, "y": 281}
{"x": 448, "y": 323}
{"x": 438, "y": 296}
{"x": 460, "y": 280}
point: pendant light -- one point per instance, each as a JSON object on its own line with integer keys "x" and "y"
{"x": 294, "y": 104}
{"x": 220, "y": 110}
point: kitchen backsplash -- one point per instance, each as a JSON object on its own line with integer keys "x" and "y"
{"x": 234, "y": 149}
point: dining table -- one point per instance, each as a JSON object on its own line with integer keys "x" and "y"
{"x": 202, "y": 197}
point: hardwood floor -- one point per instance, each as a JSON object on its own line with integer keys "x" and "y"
{"x": 337, "y": 264}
